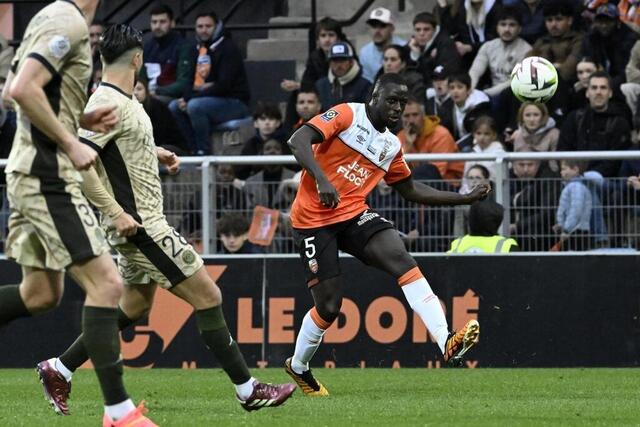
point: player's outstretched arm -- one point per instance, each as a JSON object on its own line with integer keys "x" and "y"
{"x": 93, "y": 188}
{"x": 27, "y": 90}
{"x": 426, "y": 195}
{"x": 300, "y": 143}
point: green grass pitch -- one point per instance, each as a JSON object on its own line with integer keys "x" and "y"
{"x": 371, "y": 397}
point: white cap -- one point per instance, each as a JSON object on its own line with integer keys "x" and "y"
{"x": 380, "y": 14}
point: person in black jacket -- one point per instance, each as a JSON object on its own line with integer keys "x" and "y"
{"x": 219, "y": 88}
{"x": 430, "y": 47}
{"x": 601, "y": 126}
{"x": 344, "y": 82}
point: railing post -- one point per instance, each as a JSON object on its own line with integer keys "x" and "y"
{"x": 206, "y": 210}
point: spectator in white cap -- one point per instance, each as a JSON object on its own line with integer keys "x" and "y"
{"x": 371, "y": 55}
{"x": 344, "y": 82}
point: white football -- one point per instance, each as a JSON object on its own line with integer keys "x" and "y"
{"x": 534, "y": 79}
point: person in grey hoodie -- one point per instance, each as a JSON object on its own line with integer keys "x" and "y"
{"x": 573, "y": 216}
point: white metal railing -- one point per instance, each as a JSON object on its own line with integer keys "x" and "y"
{"x": 208, "y": 181}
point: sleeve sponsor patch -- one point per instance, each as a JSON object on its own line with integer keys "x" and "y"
{"x": 59, "y": 46}
{"x": 329, "y": 115}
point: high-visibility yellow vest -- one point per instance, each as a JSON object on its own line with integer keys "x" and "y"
{"x": 481, "y": 244}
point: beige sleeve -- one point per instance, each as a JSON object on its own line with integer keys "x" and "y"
{"x": 99, "y": 196}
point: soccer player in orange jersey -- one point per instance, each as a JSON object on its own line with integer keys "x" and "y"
{"x": 345, "y": 152}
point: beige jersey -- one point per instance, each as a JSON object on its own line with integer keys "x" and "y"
{"x": 57, "y": 37}
{"x": 128, "y": 166}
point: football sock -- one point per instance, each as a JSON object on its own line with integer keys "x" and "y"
{"x": 102, "y": 342}
{"x": 214, "y": 332}
{"x": 119, "y": 410}
{"x": 60, "y": 367}
{"x": 308, "y": 340}
{"x": 11, "y": 304}
{"x": 424, "y": 302}
{"x": 245, "y": 390}
{"x": 76, "y": 354}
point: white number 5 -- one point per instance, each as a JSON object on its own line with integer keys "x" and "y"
{"x": 309, "y": 247}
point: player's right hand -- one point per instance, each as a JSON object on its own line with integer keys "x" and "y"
{"x": 82, "y": 156}
{"x": 327, "y": 193}
{"x": 125, "y": 225}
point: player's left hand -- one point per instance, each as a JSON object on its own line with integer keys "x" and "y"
{"x": 169, "y": 159}
{"x": 479, "y": 192}
{"x": 101, "y": 119}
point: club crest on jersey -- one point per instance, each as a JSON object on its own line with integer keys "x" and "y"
{"x": 313, "y": 265}
{"x": 329, "y": 115}
{"x": 385, "y": 150}
{"x": 59, "y": 46}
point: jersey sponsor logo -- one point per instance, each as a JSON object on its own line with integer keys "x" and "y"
{"x": 354, "y": 173}
{"x": 361, "y": 139}
{"x": 368, "y": 216}
{"x": 59, "y": 46}
{"x": 329, "y": 115}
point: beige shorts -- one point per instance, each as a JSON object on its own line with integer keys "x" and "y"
{"x": 157, "y": 254}
{"x": 51, "y": 225}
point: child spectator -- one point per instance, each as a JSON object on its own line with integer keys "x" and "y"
{"x": 465, "y": 100}
{"x": 485, "y": 140}
{"x": 267, "y": 119}
{"x": 536, "y": 130}
{"x": 574, "y": 209}
{"x": 233, "y": 229}
{"x": 438, "y": 98}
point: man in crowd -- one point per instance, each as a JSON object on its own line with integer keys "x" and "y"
{"x": 381, "y": 24}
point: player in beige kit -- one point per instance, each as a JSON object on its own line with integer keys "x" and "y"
{"x": 52, "y": 227}
{"x": 127, "y": 190}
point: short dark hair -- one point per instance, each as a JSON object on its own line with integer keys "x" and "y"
{"x": 118, "y": 39}
{"x": 308, "y": 90}
{"x": 411, "y": 99}
{"x": 98, "y": 22}
{"x": 601, "y": 74}
{"x": 210, "y": 14}
{"x": 329, "y": 24}
{"x": 485, "y": 120}
{"x": 485, "y": 218}
{"x": 572, "y": 163}
{"x": 403, "y": 52}
{"x": 426, "y": 18}
{"x": 557, "y": 7}
{"x": 161, "y": 9}
{"x": 268, "y": 110}
{"x": 233, "y": 224}
{"x": 463, "y": 78}
{"x": 510, "y": 12}
{"x": 391, "y": 78}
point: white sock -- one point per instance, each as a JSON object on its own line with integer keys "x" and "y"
{"x": 57, "y": 363}
{"x": 424, "y": 302}
{"x": 245, "y": 390}
{"x": 119, "y": 410}
{"x": 308, "y": 341}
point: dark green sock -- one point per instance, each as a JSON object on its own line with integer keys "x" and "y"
{"x": 76, "y": 354}
{"x": 216, "y": 336}
{"x": 11, "y": 304}
{"x": 102, "y": 343}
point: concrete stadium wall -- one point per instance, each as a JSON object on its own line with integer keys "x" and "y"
{"x": 534, "y": 312}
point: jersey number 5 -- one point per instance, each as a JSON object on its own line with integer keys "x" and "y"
{"x": 309, "y": 247}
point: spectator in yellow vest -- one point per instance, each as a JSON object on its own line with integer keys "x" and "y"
{"x": 485, "y": 218}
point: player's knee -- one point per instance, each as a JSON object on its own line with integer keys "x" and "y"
{"x": 211, "y": 297}
{"x": 142, "y": 309}
{"x": 108, "y": 290}
{"x": 42, "y": 301}
{"x": 329, "y": 309}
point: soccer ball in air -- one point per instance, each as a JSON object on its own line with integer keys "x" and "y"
{"x": 534, "y": 79}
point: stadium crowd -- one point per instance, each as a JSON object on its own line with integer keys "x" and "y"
{"x": 457, "y": 65}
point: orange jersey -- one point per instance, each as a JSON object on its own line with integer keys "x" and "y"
{"x": 355, "y": 157}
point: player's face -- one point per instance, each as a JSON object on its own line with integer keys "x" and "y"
{"x": 326, "y": 39}
{"x": 413, "y": 118}
{"x": 526, "y": 169}
{"x": 423, "y": 33}
{"x": 508, "y": 29}
{"x": 205, "y": 26}
{"x": 531, "y": 117}
{"x": 160, "y": 25}
{"x": 391, "y": 103}
{"x": 340, "y": 67}
{"x": 459, "y": 92}
{"x": 391, "y": 62}
{"x": 140, "y": 92}
{"x": 307, "y": 105}
{"x": 584, "y": 70}
{"x": 380, "y": 33}
{"x": 558, "y": 25}
{"x": 599, "y": 93}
